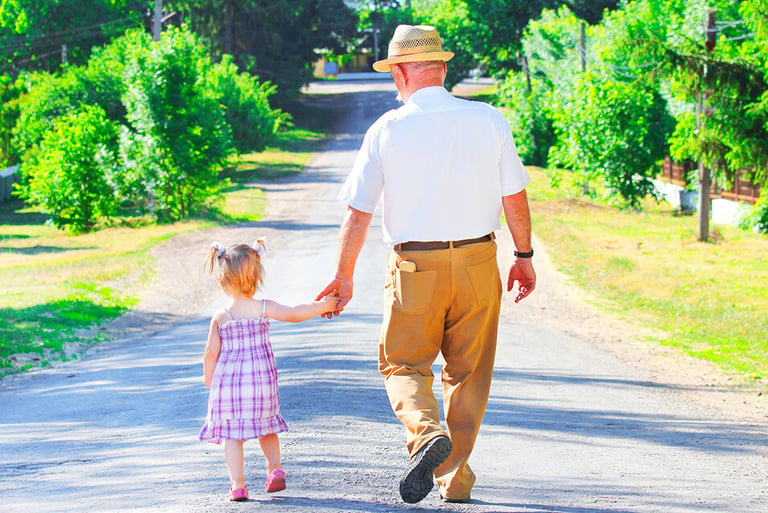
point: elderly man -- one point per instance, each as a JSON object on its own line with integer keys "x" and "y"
{"x": 445, "y": 168}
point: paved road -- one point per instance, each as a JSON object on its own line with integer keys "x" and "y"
{"x": 570, "y": 428}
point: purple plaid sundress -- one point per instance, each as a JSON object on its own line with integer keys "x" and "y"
{"x": 243, "y": 403}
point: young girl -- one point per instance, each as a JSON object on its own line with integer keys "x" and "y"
{"x": 239, "y": 366}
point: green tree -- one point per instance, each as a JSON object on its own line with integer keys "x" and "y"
{"x": 755, "y": 14}
{"x": 253, "y": 122}
{"x": 9, "y": 115}
{"x": 46, "y": 97}
{"x": 377, "y": 20}
{"x": 547, "y": 83}
{"x": 70, "y": 175}
{"x": 33, "y": 33}
{"x": 729, "y": 82}
{"x": 615, "y": 132}
{"x": 527, "y": 110}
{"x": 177, "y": 138}
{"x": 591, "y": 11}
{"x": 274, "y": 40}
{"x": 451, "y": 19}
{"x": 491, "y": 31}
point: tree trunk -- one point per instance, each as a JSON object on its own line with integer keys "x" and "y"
{"x": 705, "y": 185}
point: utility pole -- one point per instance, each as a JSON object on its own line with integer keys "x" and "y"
{"x": 705, "y": 178}
{"x": 229, "y": 39}
{"x": 375, "y": 18}
{"x": 158, "y": 22}
{"x": 583, "y": 52}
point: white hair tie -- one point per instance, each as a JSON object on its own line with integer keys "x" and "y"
{"x": 220, "y": 248}
{"x": 260, "y": 245}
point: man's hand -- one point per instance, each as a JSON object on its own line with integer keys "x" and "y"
{"x": 342, "y": 288}
{"x": 522, "y": 272}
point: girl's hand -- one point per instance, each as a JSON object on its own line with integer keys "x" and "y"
{"x": 330, "y": 302}
{"x": 341, "y": 288}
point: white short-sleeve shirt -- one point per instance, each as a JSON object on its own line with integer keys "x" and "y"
{"x": 441, "y": 166}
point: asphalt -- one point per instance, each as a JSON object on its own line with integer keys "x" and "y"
{"x": 570, "y": 427}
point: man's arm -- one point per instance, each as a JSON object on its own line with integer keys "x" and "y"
{"x": 354, "y": 230}
{"x": 519, "y": 222}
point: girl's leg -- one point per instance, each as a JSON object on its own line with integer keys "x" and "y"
{"x": 233, "y": 453}
{"x": 270, "y": 446}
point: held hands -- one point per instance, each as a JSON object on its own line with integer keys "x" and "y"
{"x": 330, "y": 303}
{"x": 522, "y": 272}
{"x": 339, "y": 288}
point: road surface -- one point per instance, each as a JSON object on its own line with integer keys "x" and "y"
{"x": 570, "y": 426}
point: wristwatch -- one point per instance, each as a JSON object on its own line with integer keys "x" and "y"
{"x": 524, "y": 254}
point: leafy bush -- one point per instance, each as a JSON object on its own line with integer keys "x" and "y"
{"x": 47, "y": 98}
{"x": 177, "y": 138}
{"x": 616, "y": 132}
{"x": 253, "y": 122}
{"x": 757, "y": 218}
{"x": 70, "y": 174}
{"x": 175, "y": 120}
{"x": 529, "y": 118}
{"x": 9, "y": 114}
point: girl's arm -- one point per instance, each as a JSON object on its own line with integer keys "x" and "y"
{"x": 300, "y": 313}
{"x": 211, "y": 353}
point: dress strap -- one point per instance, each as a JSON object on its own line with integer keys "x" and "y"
{"x": 263, "y": 307}
{"x": 228, "y": 314}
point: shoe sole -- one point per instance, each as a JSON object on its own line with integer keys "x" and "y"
{"x": 418, "y": 480}
{"x": 465, "y": 500}
{"x": 276, "y": 486}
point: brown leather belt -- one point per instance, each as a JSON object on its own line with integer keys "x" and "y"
{"x": 441, "y": 244}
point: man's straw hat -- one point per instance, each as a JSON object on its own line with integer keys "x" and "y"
{"x": 413, "y": 44}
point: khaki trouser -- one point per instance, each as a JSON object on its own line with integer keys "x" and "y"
{"x": 449, "y": 305}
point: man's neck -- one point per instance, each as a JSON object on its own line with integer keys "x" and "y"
{"x": 421, "y": 84}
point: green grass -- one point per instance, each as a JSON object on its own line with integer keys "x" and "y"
{"x": 59, "y": 289}
{"x": 708, "y": 299}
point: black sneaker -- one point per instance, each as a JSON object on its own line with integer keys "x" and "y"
{"x": 418, "y": 479}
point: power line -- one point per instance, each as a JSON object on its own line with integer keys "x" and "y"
{"x": 737, "y": 38}
{"x": 56, "y": 38}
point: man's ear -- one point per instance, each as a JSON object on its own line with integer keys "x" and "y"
{"x": 398, "y": 75}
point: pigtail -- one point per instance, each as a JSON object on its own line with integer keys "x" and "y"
{"x": 260, "y": 246}
{"x": 215, "y": 252}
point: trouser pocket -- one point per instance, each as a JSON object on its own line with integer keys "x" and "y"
{"x": 413, "y": 290}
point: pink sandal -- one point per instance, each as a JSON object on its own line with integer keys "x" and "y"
{"x": 238, "y": 494}
{"x": 275, "y": 481}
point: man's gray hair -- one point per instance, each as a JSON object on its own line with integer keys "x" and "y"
{"x": 422, "y": 65}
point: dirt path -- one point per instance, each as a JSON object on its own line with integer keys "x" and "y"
{"x": 570, "y": 428}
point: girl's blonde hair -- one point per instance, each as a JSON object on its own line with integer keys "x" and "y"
{"x": 239, "y": 267}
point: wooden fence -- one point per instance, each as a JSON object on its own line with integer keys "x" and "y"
{"x": 742, "y": 189}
